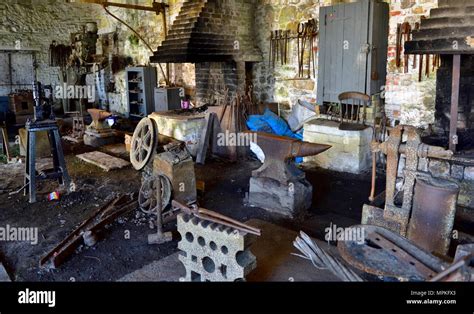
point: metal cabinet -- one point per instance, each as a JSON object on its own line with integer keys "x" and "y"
{"x": 167, "y": 99}
{"x": 353, "y": 42}
{"x": 140, "y": 82}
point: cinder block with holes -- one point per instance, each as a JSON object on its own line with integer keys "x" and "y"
{"x": 213, "y": 252}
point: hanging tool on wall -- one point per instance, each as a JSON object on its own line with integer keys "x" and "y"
{"x": 282, "y": 46}
{"x": 398, "y": 53}
{"x": 420, "y": 70}
{"x": 406, "y": 32}
{"x": 427, "y": 67}
{"x": 279, "y": 47}
{"x": 301, "y": 36}
{"x": 403, "y": 35}
{"x": 303, "y": 29}
{"x": 312, "y": 32}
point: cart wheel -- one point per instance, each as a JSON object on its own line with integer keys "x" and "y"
{"x": 143, "y": 143}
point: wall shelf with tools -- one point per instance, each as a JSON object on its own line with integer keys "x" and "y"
{"x": 141, "y": 82}
{"x": 282, "y": 49}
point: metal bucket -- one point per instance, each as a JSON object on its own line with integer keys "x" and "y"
{"x": 432, "y": 217}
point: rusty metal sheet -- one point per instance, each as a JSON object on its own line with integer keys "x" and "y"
{"x": 432, "y": 218}
{"x": 387, "y": 254}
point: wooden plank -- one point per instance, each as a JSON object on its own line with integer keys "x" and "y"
{"x": 5, "y": 142}
{"x": 117, "y": 150}
{"x": 204, "y": 140}
{"x": 103, "y": 160}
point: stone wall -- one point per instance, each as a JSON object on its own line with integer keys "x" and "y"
{"x": 38, "y": 22}
{"x": 458, "y": 171}
{"x": 212, "y": 78}
{"x": 407, "y": 100}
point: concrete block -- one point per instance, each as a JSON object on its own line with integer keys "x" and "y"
{"x": 213, "y": 252}
{"x": 350, "y": 151}
{"x": 288, "y": 200}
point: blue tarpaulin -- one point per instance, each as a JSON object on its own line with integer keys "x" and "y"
{"x": 269, "y": 122}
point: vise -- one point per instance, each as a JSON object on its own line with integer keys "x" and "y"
{"x": 278, "y": 185}
{"x": 423, "y": 208}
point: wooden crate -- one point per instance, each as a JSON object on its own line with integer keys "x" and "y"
{"x": 22, "y": 103}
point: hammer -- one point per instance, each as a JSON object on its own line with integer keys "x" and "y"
{"x": 280, "y": 152}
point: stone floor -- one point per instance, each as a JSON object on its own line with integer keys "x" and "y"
{"x": 275, "y": 262}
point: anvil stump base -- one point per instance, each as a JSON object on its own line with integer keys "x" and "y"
{"x": 286, "y": 199}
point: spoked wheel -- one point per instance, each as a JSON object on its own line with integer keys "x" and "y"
{"x": 143, "y": 143}
{"x": 148, "y": 191}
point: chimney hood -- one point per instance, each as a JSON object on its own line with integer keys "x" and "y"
{"x": 210, "y": 31}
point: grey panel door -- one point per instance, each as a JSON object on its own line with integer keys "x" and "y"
{"x": 342, "y": 58}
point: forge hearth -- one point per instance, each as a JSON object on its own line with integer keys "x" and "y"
{"x": 448, "y": 32}
{"x": 218, "y": 36}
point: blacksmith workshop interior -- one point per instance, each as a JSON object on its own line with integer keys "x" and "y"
{"x": 236, "y": 140}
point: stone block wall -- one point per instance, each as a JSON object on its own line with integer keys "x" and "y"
{"x": 212, "y": 78}
{"x": 406, "y": 99}
{"x": 350, "y": 151}
{"x": 36, "y": 23}
{"x": 461, "y": 173}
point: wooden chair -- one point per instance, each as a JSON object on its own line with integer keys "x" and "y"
{"x": 351, "y": 116}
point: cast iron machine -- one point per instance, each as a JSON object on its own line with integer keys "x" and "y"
{"x": 44, "y": 120}
{"x": 168, "y": 173}
{"x": 423, "y": 209}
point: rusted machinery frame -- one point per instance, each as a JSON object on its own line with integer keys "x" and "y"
{"x": 106, "y": 214}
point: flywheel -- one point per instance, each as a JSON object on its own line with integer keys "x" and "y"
{"x": 143, "y": 143}
{"x": 147, "y": 197}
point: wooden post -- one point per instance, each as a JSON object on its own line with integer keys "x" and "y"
{"x": 453, "y": 138}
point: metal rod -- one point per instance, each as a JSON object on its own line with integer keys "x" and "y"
{"x": 453, "y": 141}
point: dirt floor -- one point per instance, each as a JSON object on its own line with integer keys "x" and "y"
{"x": 338, "y": 199}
